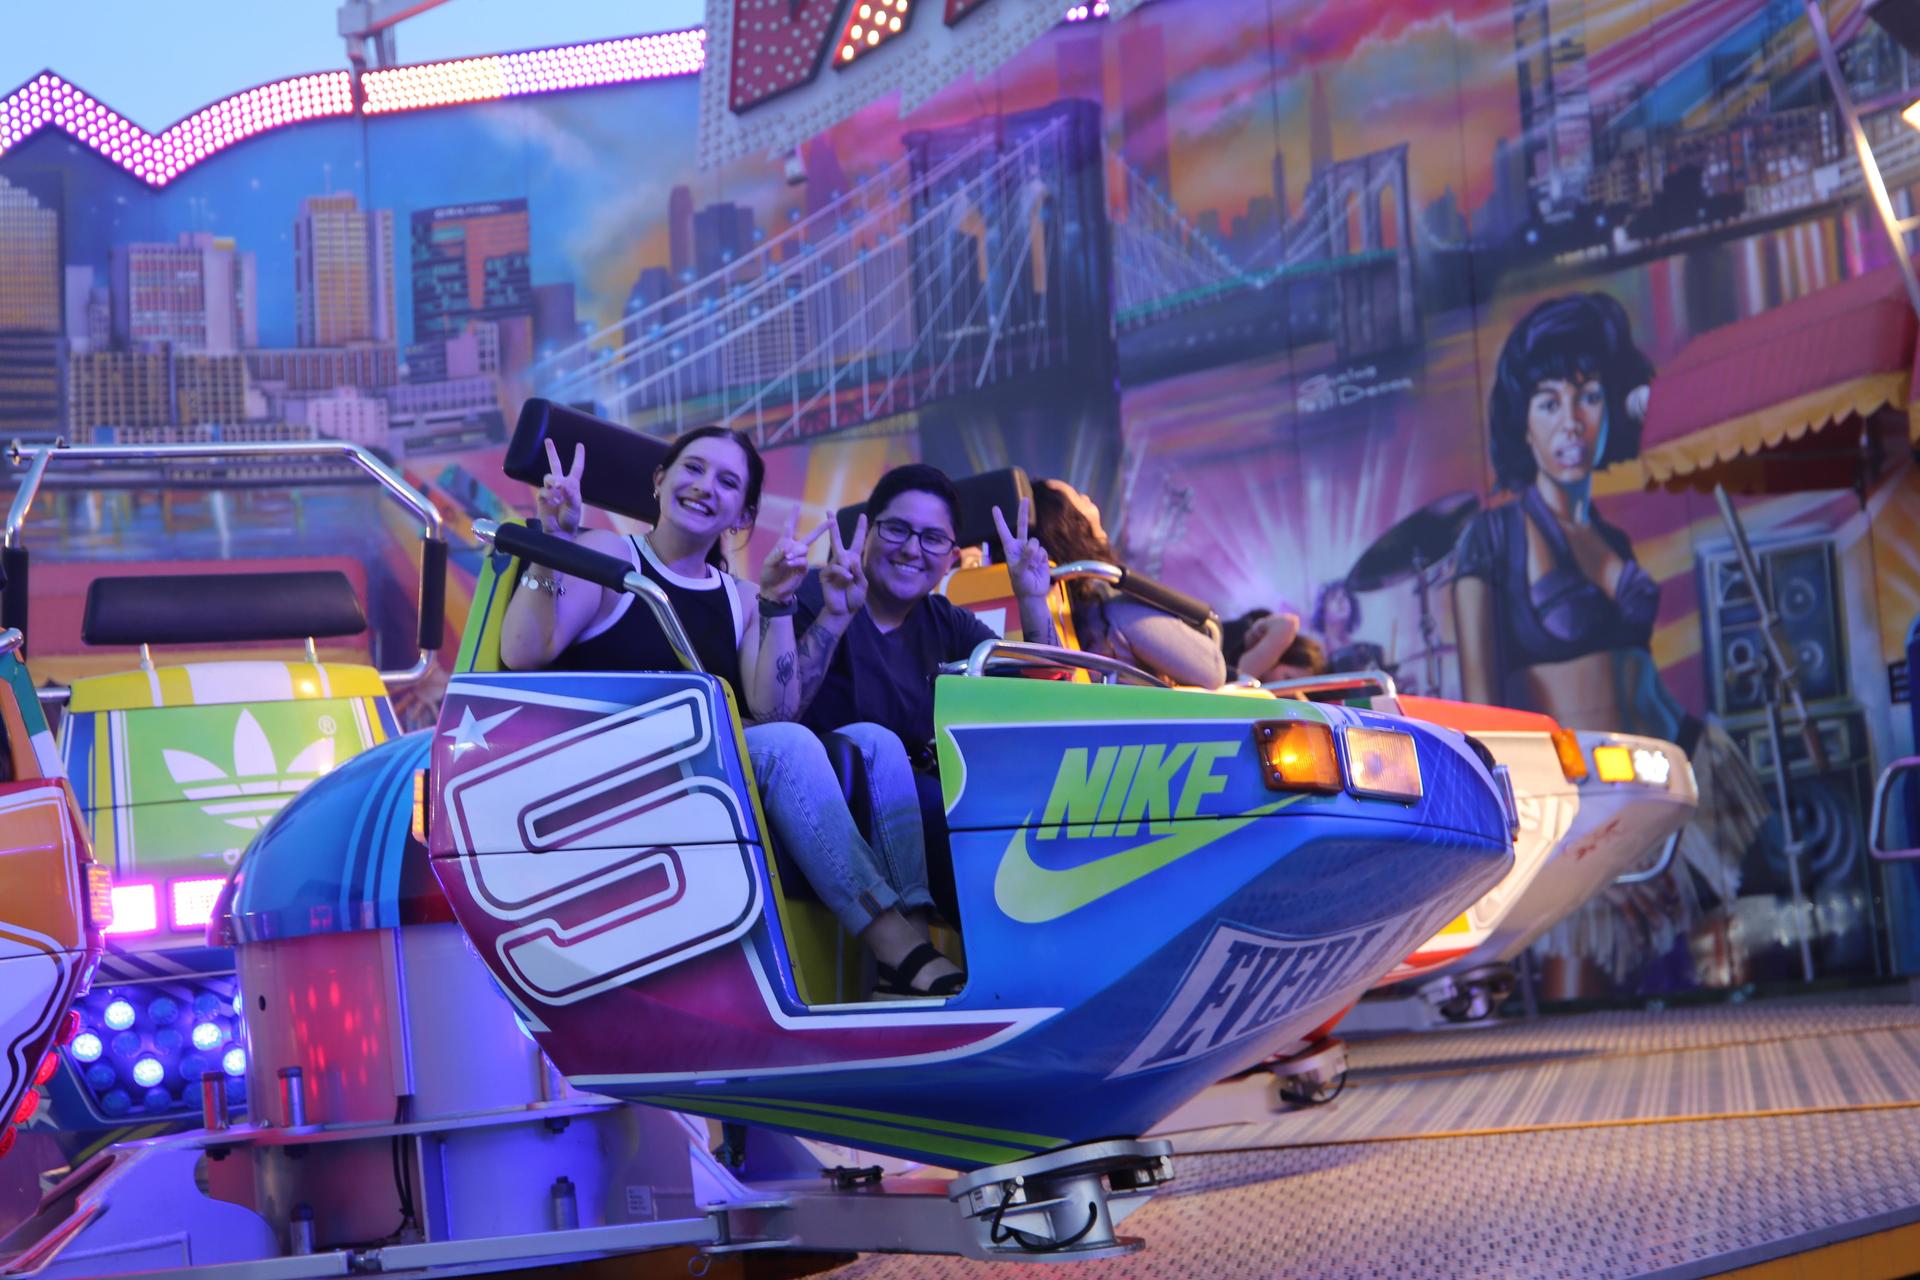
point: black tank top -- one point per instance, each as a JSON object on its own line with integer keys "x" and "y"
{"x": 629, "y": 639}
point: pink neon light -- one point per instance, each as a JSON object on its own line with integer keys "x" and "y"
{"x": 47, "y": 101}
{"x": 193, "y": 900}
{"x": 157, "y": 159}
{"x": 136, "y": 909}
{"x": 512, "y": 75}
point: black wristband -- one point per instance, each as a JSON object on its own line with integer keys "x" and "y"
{"x": 778, "y": 608}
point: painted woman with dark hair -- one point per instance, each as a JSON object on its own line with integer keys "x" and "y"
{"x": 1553, "y": 613}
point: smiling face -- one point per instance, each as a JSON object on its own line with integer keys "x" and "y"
{"x": 704, "y": 492}
{"x": 907, "y": 571}
{"x": 1564, "y": 424}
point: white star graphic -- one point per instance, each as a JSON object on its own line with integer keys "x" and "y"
{"x": 471, "y": 732}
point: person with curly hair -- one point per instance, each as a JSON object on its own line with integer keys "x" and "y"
{"x": 1553, "y": 613}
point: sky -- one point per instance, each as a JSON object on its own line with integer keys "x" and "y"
{"x": 158, "y": 67}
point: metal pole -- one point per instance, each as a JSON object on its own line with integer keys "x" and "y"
{"x": 1778, "y": 675}
{"x": 1869, "y": 167}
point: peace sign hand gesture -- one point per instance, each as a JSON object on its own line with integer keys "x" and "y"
{"x": 786, "y": 564}
{"x": 558, "y": 500}
{"x": 844, "y": 580}
{"x": 1026, "y": 558}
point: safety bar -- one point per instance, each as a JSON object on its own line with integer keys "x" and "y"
{"x": 9, "y": 640}
{"x": 1021, "y": 653}
{"x": 1341, "y": 682}
{"x": 1146, "y": 590}
{"x": 1659, "y": 868}
{"x": 433, "y": 542}
{"x": 596, "y": 567}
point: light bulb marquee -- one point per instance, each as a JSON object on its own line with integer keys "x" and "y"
{"x": 49, "y": 102}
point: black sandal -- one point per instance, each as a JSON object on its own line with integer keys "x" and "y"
{"x": 899, "y": 981}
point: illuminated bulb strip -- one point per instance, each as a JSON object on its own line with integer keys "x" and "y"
{"x": 871, "y": 24}
{"x": 158, "y": 159}
{"x": 512, "y": 75}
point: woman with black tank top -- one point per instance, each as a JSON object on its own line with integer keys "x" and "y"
{"x": 709, "y": 485}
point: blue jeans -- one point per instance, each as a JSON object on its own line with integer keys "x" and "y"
{"x": 803, "y": 803}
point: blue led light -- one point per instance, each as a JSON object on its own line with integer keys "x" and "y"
{"x": 207, "y": 1004}
{"x": 147, "y": 1072}
{"x": 163, "y": 1010}
{"x": 116, "y": 1102}
{"x": 125, "y": 1045}
{"x": 234, "y": 1063}
{"x": 168, "y": 1041}
{"x": 193, "y": 1066}
{"x": 86, "y": 1047}
{"x": 207, "y": 1036}
{"x": 101, "y": 1076}
{"x": 159, "y": 1100}
{"x": 239, "y": 1005}
{"x": 119, "y": 1015}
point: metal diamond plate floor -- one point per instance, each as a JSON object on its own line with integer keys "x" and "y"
{"x": 1676, "y": 1143}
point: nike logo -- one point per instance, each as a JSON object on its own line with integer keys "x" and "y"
{"x": 1033, "y": 894}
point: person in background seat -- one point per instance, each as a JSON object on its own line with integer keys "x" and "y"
{"x": 1068, "y": 525}
{"x": 708, "y": 486}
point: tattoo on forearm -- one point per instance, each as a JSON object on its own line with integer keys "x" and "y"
{"x": 783, "y": 670}
{"x": 815, "y": 650}
{"x": 766, "y": 624}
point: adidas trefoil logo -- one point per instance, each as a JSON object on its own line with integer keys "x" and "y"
{"x": 258, "y": 787}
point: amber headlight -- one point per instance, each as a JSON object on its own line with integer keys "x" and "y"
{"x": 1297, "y": 755}
{"x": 1382, "y": 762}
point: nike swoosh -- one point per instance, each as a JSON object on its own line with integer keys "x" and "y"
{"x": 1033, "y": 894}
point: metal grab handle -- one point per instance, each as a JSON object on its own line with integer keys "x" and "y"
{"x": 433, "y": 559}
{"x": 1342, "y": 682}
{"x": 593, "y": 566}
{"x": 1194, "y": 612}
{"x": 1881, "y": 786}
{"x": 10, "y": 640}
{"x": 1659, "y": 868}
{"x": 1020, "y": 652}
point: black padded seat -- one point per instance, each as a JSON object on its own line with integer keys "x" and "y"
{"x": 979, "y": 495}
{"x": 620, "y": 461}
{"x": 219, "y": 608}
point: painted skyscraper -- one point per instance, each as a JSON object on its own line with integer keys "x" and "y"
{"x": 200, "y": 294}
{"x": 1556, "y": 119}
{"x": 342, "y": 273}
{"x": 470, "y": 263}
{"x": 30, "y": 288}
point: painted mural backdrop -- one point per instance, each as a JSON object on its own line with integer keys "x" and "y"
{"x": 1265, "y": 280}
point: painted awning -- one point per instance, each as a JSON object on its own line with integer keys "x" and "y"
{"x": 1753, "y": 405}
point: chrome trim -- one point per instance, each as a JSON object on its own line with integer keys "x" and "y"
{"x": 10, "y": 639}
{"x": 1659, "y": 868}
{"x": 1345, "y": 681}
{"x": 1022, "y": 653}
{"x": 433, "y": 529}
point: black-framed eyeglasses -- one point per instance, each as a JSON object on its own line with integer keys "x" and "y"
{"x": 897, "y": 533}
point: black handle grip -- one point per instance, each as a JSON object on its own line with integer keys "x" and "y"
{"x": 13, "y": 597}
{"x": 433, "y": 593}
{"x": 1178, "y": 603}
{"x": 573, "y": 560}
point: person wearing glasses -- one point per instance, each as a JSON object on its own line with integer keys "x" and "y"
{"x": 870, "y": 646}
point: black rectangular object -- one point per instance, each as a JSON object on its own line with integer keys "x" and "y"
{"x": 620, "y": 461}
{"x": 214, "y": 608}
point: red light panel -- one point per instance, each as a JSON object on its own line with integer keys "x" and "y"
{"x": 872, "y": 24}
